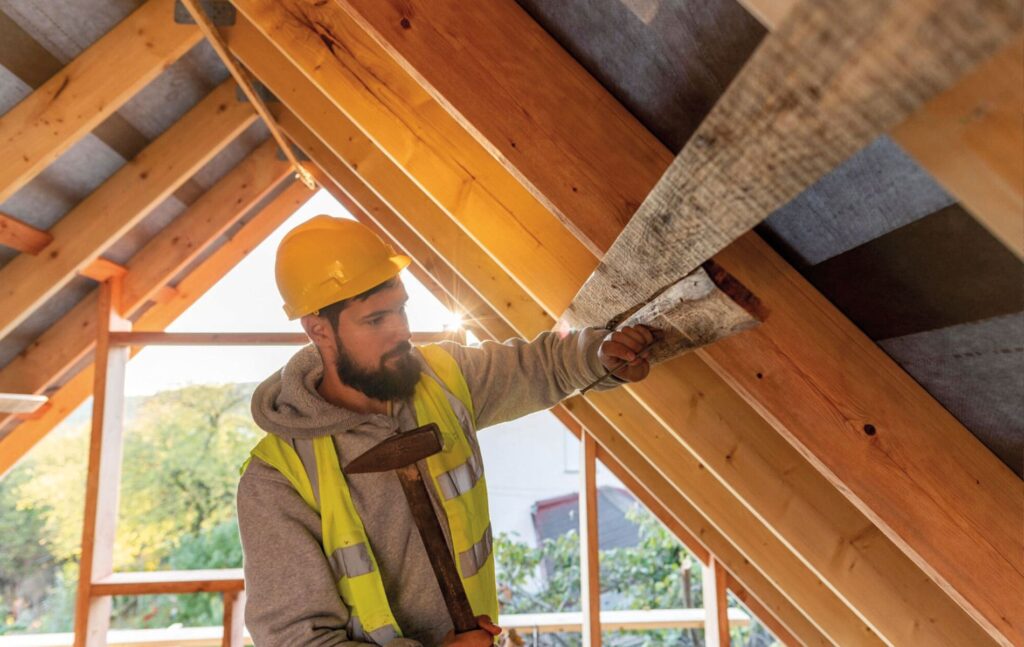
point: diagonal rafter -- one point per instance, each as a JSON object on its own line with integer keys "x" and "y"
{"x": 78, "y": 98}
{"x": 121, "y": 202}
{"x": 150, "y": 269}
{"x": 77, "y": 389}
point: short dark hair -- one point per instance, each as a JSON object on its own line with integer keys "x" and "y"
{"x": 333, "y": 311}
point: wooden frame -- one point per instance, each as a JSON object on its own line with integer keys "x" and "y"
{"x": 120, "y": 202}
{"x": 21, "y": 237}
{"x": 69, "y": 396}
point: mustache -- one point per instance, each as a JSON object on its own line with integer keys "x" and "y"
{"x": 402, "y": 349}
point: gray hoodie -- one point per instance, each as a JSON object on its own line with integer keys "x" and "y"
{"x": 291, "y": 594}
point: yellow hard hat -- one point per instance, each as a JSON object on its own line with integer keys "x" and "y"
{"x": 327, "y": 259}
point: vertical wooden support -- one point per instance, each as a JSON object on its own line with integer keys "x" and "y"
{"x": 716, "y": 625}
{"x": 590, "y": 566}
{"x": 234, "y": 619}
{"x": 92, "y": 615}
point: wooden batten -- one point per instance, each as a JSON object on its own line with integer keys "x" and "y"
{"x": 120, "y": 202}
{"x": 77, "y": 99}
{"x": 21, "y": 237}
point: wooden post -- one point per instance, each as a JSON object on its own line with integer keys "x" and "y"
{"x": 590, "y": 566}
{"x": 92, "y": 615}
{"x": 716, "y": 607}
{"x": 234, "y": 619}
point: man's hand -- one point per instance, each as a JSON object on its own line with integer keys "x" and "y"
{"x": 482, "y": 637}
{"x": 626, "y": 349}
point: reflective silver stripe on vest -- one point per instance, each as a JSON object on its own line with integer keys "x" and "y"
{"x": 307, "y": 454}
{"x": 461, "y": 479}
{"x": 381, "y": 635}
{"x": 351, "y": 561}
{"x": 472, "y": 559}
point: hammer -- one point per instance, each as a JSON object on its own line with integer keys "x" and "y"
{"x": 400, "y": 453}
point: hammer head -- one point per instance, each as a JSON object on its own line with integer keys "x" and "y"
{"x": 398, "y": 451}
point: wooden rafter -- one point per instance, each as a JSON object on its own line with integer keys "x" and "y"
{"x": 878, "y": 583}
{"x": 120, "y": 202}
{"x": 68, "y": 397}
{"x": 149, "y": 270}
{"x": 77, "y": 99}
{"x": 21, "y": 237}
{"x": 936, "y": 520}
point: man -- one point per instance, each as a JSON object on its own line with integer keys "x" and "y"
{"x": 335, "y": 560}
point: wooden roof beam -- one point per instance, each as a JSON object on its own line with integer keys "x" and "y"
{"x": 72, "y": 337}
{"x": 68, "y": 397}
{"x": 77, "y": 99}
{"x": 970, "y": 137}
{"x": 21, "y": 237}
{"x": 950, "y": 521}
{"x": 123, "y": 200}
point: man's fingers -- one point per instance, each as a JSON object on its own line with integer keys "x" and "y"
{"x": 485, "y": 623}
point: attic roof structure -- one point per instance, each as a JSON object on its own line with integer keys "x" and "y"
{"x": 853, "y": 462}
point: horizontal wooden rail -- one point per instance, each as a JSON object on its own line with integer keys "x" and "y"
{"x": 154, "y": 582}
{"x": 241, "y": 338}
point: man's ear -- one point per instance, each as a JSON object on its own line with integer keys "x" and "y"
{"x": 319, "y": 331}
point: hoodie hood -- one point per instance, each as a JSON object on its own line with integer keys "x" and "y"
{"x": 287, "y": 404}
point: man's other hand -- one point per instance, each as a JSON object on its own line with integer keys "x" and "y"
{"x": 482, "y": 637}
{"x": 629, "y": 349}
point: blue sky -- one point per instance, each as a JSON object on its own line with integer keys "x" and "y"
{"x": 246, "y": 300}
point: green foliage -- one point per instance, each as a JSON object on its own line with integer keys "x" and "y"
{"x": 182, "y": 452}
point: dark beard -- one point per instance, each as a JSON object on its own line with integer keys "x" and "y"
{"x": 385, "y": 383}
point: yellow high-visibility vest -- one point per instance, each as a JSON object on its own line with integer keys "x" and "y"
{"x": 313, "y": 469}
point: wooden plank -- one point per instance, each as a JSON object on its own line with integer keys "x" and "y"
{"x": 50, "y": 120}
{"x": 590, "y": 565}
{"x": 67, "y": 341}
{"x": 65, "y": 400}
{"x": 991, "y": 497}
{"x": 716, "y": 606}
{"x": 810, "y": 97}
{"x": 417, "y": 134}
{"x": 21, "y": 237}
{"x": 221, "y": 580}
{"x": 120, "y": 202}
{"x": 103, "y": 479}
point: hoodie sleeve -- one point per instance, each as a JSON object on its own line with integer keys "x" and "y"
{"x": 515, "y": 378}
{"x": 291, "y": 597}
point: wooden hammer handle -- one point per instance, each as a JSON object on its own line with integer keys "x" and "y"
{"x": 437, "y": 549}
